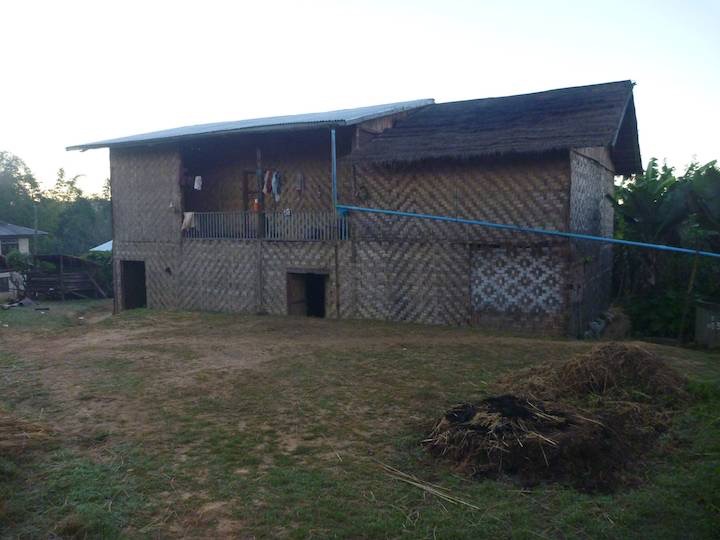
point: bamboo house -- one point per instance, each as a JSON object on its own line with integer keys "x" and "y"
{"x": 239, "y": 216}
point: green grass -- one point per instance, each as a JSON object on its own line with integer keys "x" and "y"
{"x": 64, "y": 494}
{"x": 293, "y": 448}
{"x": 60, "y": 315}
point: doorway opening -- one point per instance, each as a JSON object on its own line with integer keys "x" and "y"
{"x": 134, "y": 293}
{"x": 306, "y": 294}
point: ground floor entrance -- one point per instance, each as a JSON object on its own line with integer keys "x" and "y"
{"x": 306, "y": 294}
{"x": 134, "y": 291}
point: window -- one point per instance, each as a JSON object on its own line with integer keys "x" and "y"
{"x": 6, "y": 246}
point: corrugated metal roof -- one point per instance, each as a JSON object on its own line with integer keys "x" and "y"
{"x": 342, "y": 117}
{"x": 107, "y": 246}
{"x": 8, "y": 230}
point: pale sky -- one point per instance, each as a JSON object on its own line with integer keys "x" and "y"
{"x": 74, "y": 72}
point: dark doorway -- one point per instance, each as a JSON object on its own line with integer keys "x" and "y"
{"x": 306, "y": 294}
{"x": 134, "y": 294}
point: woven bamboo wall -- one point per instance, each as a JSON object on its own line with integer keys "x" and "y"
{"x": 523, "y": 192}
{"x": 146, "y": 194}
{"x": 409, "y": 281}
{"x": 161, "y": 271}
{"x": 146, "y": 218}
{"x": 279, "y": 258}
{"x": 520, "y": 288}
{"x": 591, "y": 213}
{"x": 218, "y": 275}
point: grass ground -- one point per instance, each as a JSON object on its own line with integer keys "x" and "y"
{"x": 205, "y": 426}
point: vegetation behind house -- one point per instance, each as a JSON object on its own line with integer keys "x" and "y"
{"x": 75, "y": 221}
{"x": 658, "y": 289}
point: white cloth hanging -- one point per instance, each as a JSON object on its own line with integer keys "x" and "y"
{"x": 198, "y": 183}
{"x": 276, "y": 185}
{"x": 188, "y": 221}
{"x": 267, "y": 184}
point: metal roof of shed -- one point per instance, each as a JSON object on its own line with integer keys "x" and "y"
{"x": 8, "y": 230}
{"x": 105, "y": 246}
{"x": 342, "y": 117}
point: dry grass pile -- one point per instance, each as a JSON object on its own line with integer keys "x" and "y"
{"x": 611, "y": 370}
{"x": 18, "y": 436}
{"x": 585, "y": 421}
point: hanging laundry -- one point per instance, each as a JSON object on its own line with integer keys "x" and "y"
{"x": 267, "y": 183}
{"x": 299, "y": 182}
{"x": 198, "y": 183}
{"x": 276, "y": 185}
{"x": 188, "y": 221}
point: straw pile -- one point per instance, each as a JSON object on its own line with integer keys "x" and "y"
{"x": 583, "y": 422}
{"x": 17, "y": 436}
{"x": 611, "y": 370}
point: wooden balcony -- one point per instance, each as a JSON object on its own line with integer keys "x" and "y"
{"x": 295, "y": 226}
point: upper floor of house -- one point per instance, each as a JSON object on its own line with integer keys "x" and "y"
{"x": 543, "y": 160}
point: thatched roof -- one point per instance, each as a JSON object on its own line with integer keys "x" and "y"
{"x": 584, "y": 116}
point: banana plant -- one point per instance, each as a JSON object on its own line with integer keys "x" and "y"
{"x": 651, "y": 207}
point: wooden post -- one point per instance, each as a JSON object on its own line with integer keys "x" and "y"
{"x": 260, "y": 232}
{"x": 337, "y": 282}
{"x": 62, "y": 280}
{"x": 261, "y": 195}
{"x": 688, "y": 299}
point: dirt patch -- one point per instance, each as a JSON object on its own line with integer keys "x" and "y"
{"x": 586, "y": 421}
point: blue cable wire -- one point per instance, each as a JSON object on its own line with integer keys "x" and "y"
{"x": 517, "y": 228}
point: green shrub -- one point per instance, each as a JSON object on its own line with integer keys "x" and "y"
{"x": 20, "y": 262}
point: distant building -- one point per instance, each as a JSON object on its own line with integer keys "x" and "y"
{"x": 12, "y": 238}
{"x": 239, "y": 216}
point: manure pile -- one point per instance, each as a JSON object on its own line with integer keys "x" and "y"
{"x": 585, "y": 422}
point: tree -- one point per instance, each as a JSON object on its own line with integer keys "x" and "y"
{"x": 18, "y": 190}
{"x": 74, "y": 222}
{"x": 106, "y": 192}
{"x": 76, "y": 227}
{"x": 66, "y": 189}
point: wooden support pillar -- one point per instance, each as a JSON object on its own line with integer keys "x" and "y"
{"x": 260, "y": 233}
{"x": 62, "y": 280}
{"x": 261, "y": 195}
{"x": 337, "y": 281}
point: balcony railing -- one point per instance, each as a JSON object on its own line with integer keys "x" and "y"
{"x": 299, "y": 226}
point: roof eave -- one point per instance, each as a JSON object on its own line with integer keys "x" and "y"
{"x": 631, "y": 164}
{"x": 157, "y": 137}
{"x": 28, "y": 235}
{"x": 180, "y": 138}
{"x": 414, "y": 107}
